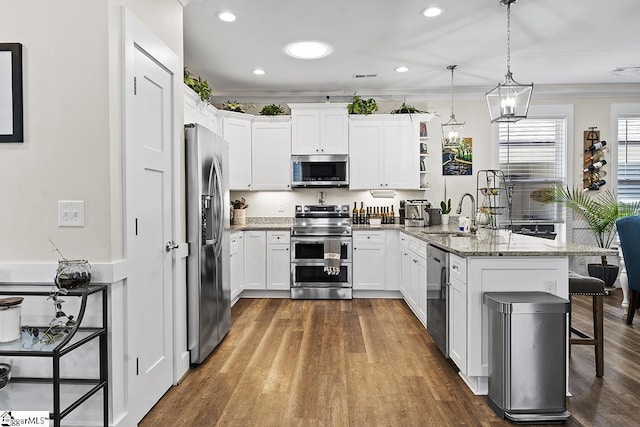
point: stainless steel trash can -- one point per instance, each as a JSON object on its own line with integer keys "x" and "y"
{"x": 527, "y": 356}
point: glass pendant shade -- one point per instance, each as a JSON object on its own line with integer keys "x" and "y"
{"x": 509, "y": 101}
{"x": 452, "y": 131}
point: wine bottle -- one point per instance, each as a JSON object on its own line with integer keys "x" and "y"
{"x": 393, "y": 215}
{"x": 597, "y": 155}
{"x": 596, "y": 146}
{"x": 384, "y": 216}
{"x": 368, "y": 217}
{"x": 362, "y": 213}
{"x": 596, "y": 165}
{"x": 596, "y": 185}
{"x": 354, "y": 214}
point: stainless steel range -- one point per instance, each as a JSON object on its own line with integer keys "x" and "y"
{"x": 313, "y": 225}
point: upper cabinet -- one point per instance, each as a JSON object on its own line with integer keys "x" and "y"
{"x": 197, "y": 111}
{"x": 271, "y": 153}
{"x": 384, "y": 151}
{"x": 318, "y": 128}
{"x": 236, "y": 130}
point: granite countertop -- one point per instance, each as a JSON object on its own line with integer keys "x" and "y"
{"x": 484, "y": 242}
{"x": 487, "y": 242}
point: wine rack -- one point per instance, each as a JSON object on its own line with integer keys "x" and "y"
{"x": 594, "y": 152}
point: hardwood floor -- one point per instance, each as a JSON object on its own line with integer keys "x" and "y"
{"x": 369, "y": 362}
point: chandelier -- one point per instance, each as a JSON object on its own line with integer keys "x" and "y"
{"x": 452, "y": 131}
{"x": 509, "y": 101}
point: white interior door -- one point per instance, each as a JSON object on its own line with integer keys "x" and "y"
{"x": 150, "y": 222}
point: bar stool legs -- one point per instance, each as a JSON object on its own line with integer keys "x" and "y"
{"x": 597, "y": 339}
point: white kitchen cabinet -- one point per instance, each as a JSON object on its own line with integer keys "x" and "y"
{"x": 369, "y": 260}
{"x": 413, "y": 275}
{"x": 383, "y": 151}
{"x": 255, "y": 265}
{"x": 236, "y": 263}
{"x": 278, "y": 260}
{"x": 418, "y": 285}
{"x": 392, "y": 260}
{"x": 458, "y": 311}
{"x": 236, "y": 129}
{"x": 271, "y": 153}
{"x": 319, "y": 128}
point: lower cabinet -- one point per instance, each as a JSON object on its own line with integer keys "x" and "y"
{"x": 458, "y": 323}
{"x": 458, "y": 311}
{"x": 413, "y": 275}
{"x": 267, "y": 260}
{"x": 369, "y": 260}
{"x": 278, "y": 260}
{"x": 255, "y": 257}
{"x": 236, "y": 262}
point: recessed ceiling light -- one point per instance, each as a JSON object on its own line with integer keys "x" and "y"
{"x": 308, "y": 49}
{"x": 226, "y": 16}
{"x": 259, "y": 72}
{"x": 432, "y": 11}
{"x": 402, "y": 69}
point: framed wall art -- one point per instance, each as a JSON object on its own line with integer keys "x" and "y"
{"x": 11, "y": 111}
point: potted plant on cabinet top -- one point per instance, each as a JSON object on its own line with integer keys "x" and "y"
{"x": 600, "y": 214}
{"x": 198, "y": 85}
{"x": 362, "y": 106}
{"x": 271, "y": 110}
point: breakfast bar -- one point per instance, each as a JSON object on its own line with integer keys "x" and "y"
{"x": 494, "y": 261}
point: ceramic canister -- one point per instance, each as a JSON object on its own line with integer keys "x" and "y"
{"x": 10, "y": 319}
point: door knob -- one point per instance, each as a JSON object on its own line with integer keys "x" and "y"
{"x": 170, "y": 245}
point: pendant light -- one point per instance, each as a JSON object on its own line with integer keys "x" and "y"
{"x": 509, "y": 101}
{"x": 452, "y": 131}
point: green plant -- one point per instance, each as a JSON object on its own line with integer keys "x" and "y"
{"x": 406, "y": 109}
{"x": 445, "y": 205}
{"x": 271, "y": 110}
{"x": 59, "y": 326}
{"x": 236, "y": 106}
{"x": 600, "y": 212}
{"x": 362, "y": 106}
{"x": 198, "y": 85}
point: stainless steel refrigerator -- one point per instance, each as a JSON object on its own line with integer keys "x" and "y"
{"x": 208, "y": 275}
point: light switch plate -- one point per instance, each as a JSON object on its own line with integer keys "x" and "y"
{"x": 71, "y": 213}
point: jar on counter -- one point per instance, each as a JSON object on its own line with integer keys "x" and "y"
{"x": 10, "y": 318}
{"x": 73, "y": 273}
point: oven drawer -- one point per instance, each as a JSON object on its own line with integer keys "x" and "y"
{"x": 368, "y": 237}
{"x": 312, "y": 248}
{"x": 305, "y": 274}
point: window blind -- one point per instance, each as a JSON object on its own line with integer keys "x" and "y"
{"x": 532, "y": 155}
{"x": 629, "y": 159}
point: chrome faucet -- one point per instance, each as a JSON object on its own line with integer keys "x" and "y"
{"x": 473, "y": 209}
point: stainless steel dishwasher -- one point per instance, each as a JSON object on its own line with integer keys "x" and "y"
{"x": 438, "y": 297}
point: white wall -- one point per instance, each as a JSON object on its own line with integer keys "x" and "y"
{"x": 72, "y": 114}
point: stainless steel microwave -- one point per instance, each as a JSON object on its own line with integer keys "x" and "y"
{"x": 323, "y": 170}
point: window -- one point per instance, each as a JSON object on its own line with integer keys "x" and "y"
{"x": 533, "y": 157}
{"x": 629, "y": 158}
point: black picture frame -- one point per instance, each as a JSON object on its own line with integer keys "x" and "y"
{"x": 11, "y": 107}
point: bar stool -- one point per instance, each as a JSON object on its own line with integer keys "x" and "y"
{"x": 594, "y": 287}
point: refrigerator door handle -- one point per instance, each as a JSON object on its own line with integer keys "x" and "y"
{"x": 220, "y": 213}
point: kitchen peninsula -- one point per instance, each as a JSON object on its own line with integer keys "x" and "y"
{"x": 486, "y": 261}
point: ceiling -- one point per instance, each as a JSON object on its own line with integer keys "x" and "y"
{"x": 553, "y": 42}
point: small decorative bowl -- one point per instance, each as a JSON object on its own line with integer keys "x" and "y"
{"x": 5, "y": 374}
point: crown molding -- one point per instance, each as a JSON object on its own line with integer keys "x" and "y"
{"x": 576, "y": 91}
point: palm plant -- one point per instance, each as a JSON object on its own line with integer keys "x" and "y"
{"x": 599, "y": 212}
